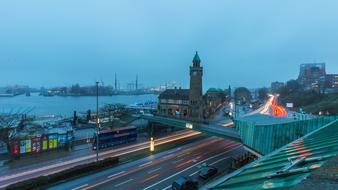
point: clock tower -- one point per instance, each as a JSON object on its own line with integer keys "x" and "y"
{"x": 196, "y": 103}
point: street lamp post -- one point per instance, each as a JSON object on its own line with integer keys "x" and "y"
{"x": 97, "y": 121}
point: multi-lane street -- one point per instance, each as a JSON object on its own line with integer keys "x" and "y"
{"x": 9, "y": 175}
{"x": 160, "y": 170}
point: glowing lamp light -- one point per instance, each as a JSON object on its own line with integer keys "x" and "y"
{"x": 152, "y": 144}
{"x": 188, "y": 125}
{"x": 231, "y": 105}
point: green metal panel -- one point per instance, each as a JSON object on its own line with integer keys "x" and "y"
{"x": 315, "y": 148}
{"x": 264, "y": 138}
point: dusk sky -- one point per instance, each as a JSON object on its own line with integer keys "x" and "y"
{"x": 240, "y": 42}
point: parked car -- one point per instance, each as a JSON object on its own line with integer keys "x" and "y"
{"x": 184, "y": 183}
{"x": 207, "y": 171}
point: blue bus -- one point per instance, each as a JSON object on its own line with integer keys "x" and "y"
{"x": 109, "y": 138}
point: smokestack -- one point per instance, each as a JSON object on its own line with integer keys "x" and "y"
{"x": 136, "y": 83}
{"x": 115, "y": 82}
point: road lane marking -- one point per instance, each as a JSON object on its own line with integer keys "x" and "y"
{"x": 193, "y": 173}
{"x": 141, "y": 146}
{"x": 189, "y": 168}
{"x": 167, "y": 187}
{"x": 108, "y": 180}
{"x": 165, "y": 157}
{"x": 172, "y": 151}
{"x": 102, "y": 155}
{"x": 145, "y": 164}
{"x": 177, "y": 161}
{"x": 184, "y": 154}
{"x": 211, "y": 164}
{"x": 129, "y": 180}
{"x": 219, "y": 160}
{"x": 196, "y": 154}
{"x": 150, "y": 178}
{"x": 154, "y": 170}
{"x": 116, "y": 174}
{"x": 79, "y": 187}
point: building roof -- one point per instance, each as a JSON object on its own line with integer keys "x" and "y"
{"x": 287, "y": 166}
{"x": 261, "y": 119}
{"x": 175, "y": 94}
{"x": 196, "y": 61}
{"x": 215, "y": 90}
{"x": 324, "y": 178}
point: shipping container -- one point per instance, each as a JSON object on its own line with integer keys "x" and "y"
{"x": 15, "y": 148}
{"x": 62, "y": 139}
{"x": 36, "y": 144}
{"x": 52, "y": 139}
{"x": 22, "y": 146}
{"x": 41, "y": 141}
{"x": 44, "y": 141}
{"x": 28, "y": 145}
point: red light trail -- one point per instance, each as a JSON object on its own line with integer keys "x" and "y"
{"x": 278, "y": 111}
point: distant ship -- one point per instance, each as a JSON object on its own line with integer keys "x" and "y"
{"x": 7, "y": 95}
{"x": 147, "y": 104}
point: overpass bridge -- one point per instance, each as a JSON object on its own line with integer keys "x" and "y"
{"x": 209, "y": 129}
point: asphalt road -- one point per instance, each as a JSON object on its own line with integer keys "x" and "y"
{"x": 160, "y": 170}
{"x": 10, "y": 175}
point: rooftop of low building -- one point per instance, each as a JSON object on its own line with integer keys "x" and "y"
{"x": 175, "y": 94}
{"x": 262, "y": 119}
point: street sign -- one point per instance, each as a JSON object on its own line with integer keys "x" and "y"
{"x": 289, "y": 105}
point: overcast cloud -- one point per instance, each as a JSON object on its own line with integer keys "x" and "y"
{"x": 241, "y": 42}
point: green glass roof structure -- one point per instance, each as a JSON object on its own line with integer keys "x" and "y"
{"x": 287, "y": 166}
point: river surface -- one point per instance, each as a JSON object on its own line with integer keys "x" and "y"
{"x": 64, "y": 106}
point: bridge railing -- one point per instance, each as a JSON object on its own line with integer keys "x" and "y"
{"x": 223, "y": 132}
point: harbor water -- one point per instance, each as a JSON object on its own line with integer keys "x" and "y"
{"x": 65, "y": 105}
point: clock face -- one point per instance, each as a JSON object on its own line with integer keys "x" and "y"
{"x": 194, "y": 73}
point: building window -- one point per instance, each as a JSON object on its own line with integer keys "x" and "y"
{"x": 185, "y": 112}
{"x": 171, "y": 101}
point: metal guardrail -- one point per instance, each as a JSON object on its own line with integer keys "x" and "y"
{"x": 212, "y": 130}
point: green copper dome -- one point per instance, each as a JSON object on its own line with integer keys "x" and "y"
{"x": 196, "y": 61}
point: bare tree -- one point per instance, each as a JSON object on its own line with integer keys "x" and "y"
{"x": 9, "y": 120}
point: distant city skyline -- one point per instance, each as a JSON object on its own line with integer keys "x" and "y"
{"x": 131, "y": 84}
{"x": 240, "y": 43}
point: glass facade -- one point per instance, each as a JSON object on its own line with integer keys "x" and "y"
{"x": 287, "y": 166}
{"x": 268, "y": 137}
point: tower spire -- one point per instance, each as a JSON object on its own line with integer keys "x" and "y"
{"x": 196, "y": 61}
